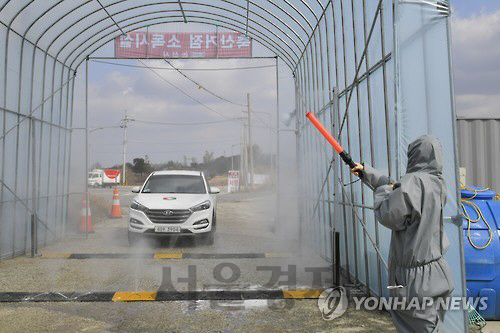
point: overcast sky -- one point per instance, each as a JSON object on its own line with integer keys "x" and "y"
{"x": 162, "y": 95}
{"x": 476, "y": 57}
{"x": 146, "y": 97}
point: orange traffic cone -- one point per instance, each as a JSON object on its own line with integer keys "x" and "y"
{"x": 116, "y": 211}
{"x": 83, "y": 215}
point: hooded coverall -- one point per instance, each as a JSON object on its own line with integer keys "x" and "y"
{"x": 413, "y": 210}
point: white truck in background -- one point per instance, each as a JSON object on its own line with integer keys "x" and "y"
{"x": 103, "y": 178}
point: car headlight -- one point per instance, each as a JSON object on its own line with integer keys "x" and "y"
{"x": 203, "y": 206}
{"x": 137, "y": 206}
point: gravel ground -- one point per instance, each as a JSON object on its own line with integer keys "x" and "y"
{"x": 183, "y": 317}
{"x": 245, "y": 225}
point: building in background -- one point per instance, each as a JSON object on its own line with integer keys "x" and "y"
{"x": 478, "y": 151}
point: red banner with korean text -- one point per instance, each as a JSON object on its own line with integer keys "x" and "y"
{"x": 161, "y": 45}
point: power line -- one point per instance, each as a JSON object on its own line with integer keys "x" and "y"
{"x": 142, "y": 152}
{"x": 186, "y": 94}
{"x": 262, "y": 121}
{"x": 200, "y": 123}
{"x": 184, "y": 69}
{"x": 202, "y": 87}
{"x": 198, "y": 84}
{"x": 163, "y": 142}
{"x": 97, "y": 128}
{"x": 182, "y": 124}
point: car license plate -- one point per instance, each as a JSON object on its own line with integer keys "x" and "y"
{"x": 165, "y": 228}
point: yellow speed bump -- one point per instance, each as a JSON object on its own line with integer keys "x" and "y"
{"x": 172, "y": 255}
{"x": 55, "y": 255}
{"x": 303, "y": 293}
{"x": 131, "y": 296}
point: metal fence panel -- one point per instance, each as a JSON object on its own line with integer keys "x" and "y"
{"x": 424, "y": 97}
{"x": 32, "y": 114}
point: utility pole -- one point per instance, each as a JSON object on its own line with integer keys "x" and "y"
{"x": 271, "y": 178}
{"x": 123, "y": 125}
{"x": 86, "y": 147}
{"x": 250, "y": 140}
{"x": 232, "y": 156}
{"x": 242, "y": 154}
{"x": 245, "y": 155}
{"x": 277, "y": 163}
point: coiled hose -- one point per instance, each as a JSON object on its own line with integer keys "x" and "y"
{"x": 479, "y": 214}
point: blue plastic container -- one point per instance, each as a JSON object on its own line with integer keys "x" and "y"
{"x": 482, "y": 267}
{"x": 483, "y": 195}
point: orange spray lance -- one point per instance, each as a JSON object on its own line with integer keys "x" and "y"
{"x": 338, "y": 148}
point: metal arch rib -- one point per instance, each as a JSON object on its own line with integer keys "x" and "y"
{"x": 238, "y": 6}
{"x": 232, "y": 3}
{"x": 18, "y": 12}
{"x": 198, "y": 4}
{"x": 39, "y": 17}
{"x": 311, "y": 10}
{"x": 232, "y": 26}
{"x": 296, "y": 21}
{"x": 298, "y": 12}
{"x": 314, "y": 31}
{"x": 218, "y": 7}
{"x": 58, "y": 20}
{"x": 284, "y": 55}
{"x": 272, "y": 15}
{"x": 260, "y": 16}
{"x": 48, "y": 28}
{"x": 6, "y": 60}
{"x": 217, "y": 15}
{"x": 4, "y": 4}
{"x": 246, "y": 25}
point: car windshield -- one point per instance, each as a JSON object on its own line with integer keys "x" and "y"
{"x": 175, "y": 184}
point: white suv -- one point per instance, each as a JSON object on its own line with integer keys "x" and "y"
{"x": 173, "y": 203}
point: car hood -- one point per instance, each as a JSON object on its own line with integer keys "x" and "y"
{"x": 170, "y": 200}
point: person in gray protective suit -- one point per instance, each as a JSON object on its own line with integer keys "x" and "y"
{"x": 413, "y": 209}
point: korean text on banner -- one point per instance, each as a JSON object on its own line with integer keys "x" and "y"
{"x": 233, "y": 181}
{"x": 140, "y": 44}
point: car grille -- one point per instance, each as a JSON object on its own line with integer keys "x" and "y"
{"x": 168, "y": 215}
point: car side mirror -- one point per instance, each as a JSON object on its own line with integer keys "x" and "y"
{"x": 214, "y": 190}
{"x": 136, "y": 189}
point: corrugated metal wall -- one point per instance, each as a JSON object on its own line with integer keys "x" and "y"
{"x": 479, "y": 152}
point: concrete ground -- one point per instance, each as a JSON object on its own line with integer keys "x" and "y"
{"x": 245, "y": 226}
{"x": 491, "y": 327}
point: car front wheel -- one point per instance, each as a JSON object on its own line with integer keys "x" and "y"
{"x": 133, "y": 238}
{"x": 209, "y": 237}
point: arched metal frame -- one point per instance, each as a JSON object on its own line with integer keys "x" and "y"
{"x": 66, "y": 69}
{"x": 340, "y": 73}
{"x": 87, "y": 17}
{"x": 256, "y": 34}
